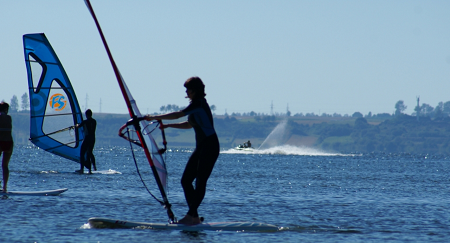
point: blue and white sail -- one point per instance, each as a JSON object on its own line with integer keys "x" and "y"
{"x": 54, "y": 109}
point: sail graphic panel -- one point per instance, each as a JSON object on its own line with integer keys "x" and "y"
{"x": 158, "y": 160}
{"x": 54, "y": 109}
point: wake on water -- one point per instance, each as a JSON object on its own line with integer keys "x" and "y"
{"x": 284, "y": 150}
{"x": 274, "y": 144}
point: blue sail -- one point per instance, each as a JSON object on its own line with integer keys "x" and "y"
{"x": 54, "y": 109}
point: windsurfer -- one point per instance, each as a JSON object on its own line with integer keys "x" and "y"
{"x": 87, "y": 158}
{"x": 202, "y": 160}
{"x": 6, "y": 141}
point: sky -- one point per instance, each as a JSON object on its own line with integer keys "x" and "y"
{"x": 253, "y": 55}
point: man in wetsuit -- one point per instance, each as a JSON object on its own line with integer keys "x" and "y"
{"x": 202, "y": 160}
{"x": 6, "y": 142}
{"x": 87, "y": 158}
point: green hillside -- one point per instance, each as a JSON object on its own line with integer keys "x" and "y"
{"x": 335, "y": 134}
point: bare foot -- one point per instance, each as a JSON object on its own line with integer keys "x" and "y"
{"x": 189, "y": 220}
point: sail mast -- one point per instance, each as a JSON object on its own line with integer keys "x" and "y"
{"x": 128, "y": 99}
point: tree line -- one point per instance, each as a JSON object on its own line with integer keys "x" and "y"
{"x": 172, "y": 108}
{"x": 401, "y": 133}
{"x": 442, "y": 110}
{"x": 14, "y": 104}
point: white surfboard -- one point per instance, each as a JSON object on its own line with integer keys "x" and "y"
{"x": 103, "y": 172}
{"x": 217, "y": 226}
{"x": 34, "y": 193}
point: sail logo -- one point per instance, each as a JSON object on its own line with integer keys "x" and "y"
{"x": 57, "y": 102}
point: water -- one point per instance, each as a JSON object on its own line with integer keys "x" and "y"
{"x": 312, "y": 195}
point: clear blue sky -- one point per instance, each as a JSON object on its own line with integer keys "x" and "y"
{"x": 315, "y": 56}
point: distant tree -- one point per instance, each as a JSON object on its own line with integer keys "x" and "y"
{"x": 357, "y": 114}
{"x": 268, "y": 118}
{"x": 361, "y": 123}
{"x": 169, "y": 108}
{"x": 369, "y": 115}
{"x": 383, "y": 115}
{"x": 438, "y": 110}
{"x": 25, "y": 102}
{"x": 337, "y": 115}
{"x": 426, "y": 110}
{"x": 417, "y": 110}
{"x": 213, "y": 108}
{"x": 399, "y": 107}
{"x": 446, "y": 108}
{"x": 14, "y": 105}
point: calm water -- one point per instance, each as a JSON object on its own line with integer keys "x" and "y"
{"x": 313, "y": 196}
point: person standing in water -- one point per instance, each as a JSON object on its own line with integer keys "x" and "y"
{"x": 6, "y": 142}
{"x": 87, "y": 158}
{"x": 202, "y": 160}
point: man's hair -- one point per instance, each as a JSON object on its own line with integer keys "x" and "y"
{"x": 4, "y": 106}
{"x": 195, "y": 84}
{"x": 88, "y": 113}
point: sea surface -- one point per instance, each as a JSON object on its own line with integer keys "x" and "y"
{"x": 313, "y": 196}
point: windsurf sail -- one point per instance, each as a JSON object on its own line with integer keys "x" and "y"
{"x": 54, "y": 109}
{"x": 146, "y": 141}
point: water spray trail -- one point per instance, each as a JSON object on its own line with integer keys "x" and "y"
{"x": 276, "y": 137}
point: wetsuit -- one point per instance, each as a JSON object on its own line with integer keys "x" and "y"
{"x": 6, "y": 140}
{"x": 86, "y": 156}
{"x": 202, "y": 160}
{"x": 6, "y": 145}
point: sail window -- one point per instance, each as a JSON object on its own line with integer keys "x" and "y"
{"x": 38, "y": 70}
{"x": 58, "y": 116}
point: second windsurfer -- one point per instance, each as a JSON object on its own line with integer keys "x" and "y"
{"x": 87, "y": 158}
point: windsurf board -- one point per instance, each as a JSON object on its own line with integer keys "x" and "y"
{"x": 34, "y": 193}
{"x": 216, "y": 226}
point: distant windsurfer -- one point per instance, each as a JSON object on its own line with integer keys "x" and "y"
{"x": 6, "y": 141}
{"x": 87, "y": 158}
{"x": 202, "y": 160}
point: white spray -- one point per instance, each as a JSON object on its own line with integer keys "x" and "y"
{"x": 276, "y": 137}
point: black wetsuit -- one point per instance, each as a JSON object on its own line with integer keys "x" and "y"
{"x": 86, "y": 156}
{"x": 202, "y": 160}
